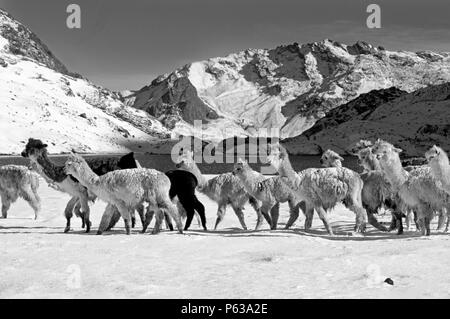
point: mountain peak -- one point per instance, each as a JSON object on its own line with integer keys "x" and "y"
{"x": 18, "y": 40}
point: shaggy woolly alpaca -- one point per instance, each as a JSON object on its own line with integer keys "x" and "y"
{"x": 322, "y": 189}
{"x": 126, "y": 189}
{"x": 440, "y": 166}
{"x": 19, "y": 181}
{"x": 36, "y": 151}
{"x": 225, "y": 189}
{"x": 375, "y": 192}
{"x": 183, "y": 185}
{"x": 269, "y": 191}
{"x": 417, "y": 190}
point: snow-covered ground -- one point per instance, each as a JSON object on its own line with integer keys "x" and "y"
{"x": 39, "y": 261}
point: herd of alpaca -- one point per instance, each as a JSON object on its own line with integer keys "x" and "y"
{"x": 126, "y": 187}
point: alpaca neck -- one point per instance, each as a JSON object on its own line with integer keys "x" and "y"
{"x": 202, "y": 181}
{"x": 250, "y": 179}
{"x": 395, "y": 173}
{"x": 88, "y": 178}
{"x": 286, "y": 170}
{"x": 51, "y": 170}
{"x": 337, "y": 164}
{"x": 440, "y": 170}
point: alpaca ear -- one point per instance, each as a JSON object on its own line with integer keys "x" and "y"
{"x": 398, "y": 150}
{"x": 340, "y": 158}
{"x": 436, "y": 148}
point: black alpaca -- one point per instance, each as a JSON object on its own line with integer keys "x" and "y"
{"x": 183, "y": 186}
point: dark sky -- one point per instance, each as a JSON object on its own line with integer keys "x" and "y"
{"x": 126, "y": 44}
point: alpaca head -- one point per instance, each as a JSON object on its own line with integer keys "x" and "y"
{"x": 387, "y": 154}
{"x": 186, "y": 161}
{"x": 436, "y": 155}
{"x": 331, "y": 159}
{"x": 277, "y": 156}
{"x": 240, "y": 167}
{"x": 75, "y": 165}
{"x": 34, "y": 149}
{"x": 367, "y": 160}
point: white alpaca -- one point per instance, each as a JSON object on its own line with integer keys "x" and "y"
{"x": 322, "y": 189}
{"x": 440, "y": 166}
{"x": 417, "y": 189}
{"x": 440, "y": 170}
{"x": 376, "y": 190}
{"x": 19, "y": 181}
{"x": 269, "y": 191}
{"x": 225, "y": 189}
{"x": 126, "y": 189}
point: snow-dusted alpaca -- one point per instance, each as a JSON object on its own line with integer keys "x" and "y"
{"x": 269, "y": 191}
{"x": 126, "y": 189}
{"x": 225, "y": 189}
{"x": 417, "y": 190}
{"x": 19, "y": 181}
{"x": 374, "y": 193}
{"x": 322, "y": 189}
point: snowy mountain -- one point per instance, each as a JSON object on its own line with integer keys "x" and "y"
{"x": 289, "y": 88}
{"x": 413, "y": 121}
{"x": 40, "y": 98}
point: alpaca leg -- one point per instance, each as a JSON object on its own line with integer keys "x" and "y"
{"x": 148, "y": 218}
{"x": 78, "y": 213}
{"x": 265, "y": 211}
{"x": 259, "y": 220}
{"x": 190, "y": 215}
{"x": 256, "y": 205}
{"x": 110, "y": 217}
{"x": 416, "y": 221}
{"x": 399, "y": 222}
{"x": 294, "y": 213}
{"x": 408, "y": 220}
{"x": 220, "y": 214}
{"x": 68, "y": 212}
{"x": 200, "y": 209}
{"x": 294, "y": 210}
{"x": 171, "y": 209}
{"x": 240, "y": 215}
{"x": 442, "y": 219}
{"x": 159, "y": 218}
{"x": 168, "y": 222}
{"x": 309, "y": 215}
{"x": 140, "y": 209}
{"x": 28, "y": 195}
{"x": 275, "y": 215}
{"x": 323, "y": 216}
{"x": 361, "y": 218}
{"x": 6, "y": 204}
{"x": 86, "y": 211}
{"x": 125, "y": 212}
{"x": 373, "y": 220}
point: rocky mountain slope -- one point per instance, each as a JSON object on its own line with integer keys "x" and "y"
{"x": 413, "y": 121}
{"x": 287, "y": 88}
{"x": 40, "y": 98}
